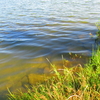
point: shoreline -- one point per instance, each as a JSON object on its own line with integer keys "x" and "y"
{"x": 71, "y": 83}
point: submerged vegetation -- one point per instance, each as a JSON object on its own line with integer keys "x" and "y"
{"x": 76, "y": 83}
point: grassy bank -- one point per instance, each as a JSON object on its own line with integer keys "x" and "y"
{"x": 75, "y": 83}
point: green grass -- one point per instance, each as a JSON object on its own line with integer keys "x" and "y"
{"x": 75, "y": 83}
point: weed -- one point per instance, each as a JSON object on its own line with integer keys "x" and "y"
{"x": 75, "y": 83}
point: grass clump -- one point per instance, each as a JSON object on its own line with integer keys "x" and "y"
{"x": 75, "y": 83}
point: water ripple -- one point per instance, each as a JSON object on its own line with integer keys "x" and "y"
{"x": 43, "y": 28}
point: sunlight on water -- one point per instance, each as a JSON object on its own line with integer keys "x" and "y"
{"x": 33, "y": 30}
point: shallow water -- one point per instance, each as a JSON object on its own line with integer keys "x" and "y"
{"x": 33, "y": 30}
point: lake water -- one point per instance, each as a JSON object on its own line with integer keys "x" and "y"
{"x": 33, "y": 30}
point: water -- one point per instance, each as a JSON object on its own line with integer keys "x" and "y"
{"x": 33, "y": 30}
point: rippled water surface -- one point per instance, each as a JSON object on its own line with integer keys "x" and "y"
{"x": 33, "y": 30}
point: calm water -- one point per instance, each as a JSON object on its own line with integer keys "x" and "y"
{"x": 32, "y": 30}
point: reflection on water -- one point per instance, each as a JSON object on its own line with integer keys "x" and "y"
{"x": 31, "y": 31}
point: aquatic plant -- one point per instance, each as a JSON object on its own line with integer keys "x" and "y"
{"x": 98, "y": 27}
{"x": 76, "y": 83}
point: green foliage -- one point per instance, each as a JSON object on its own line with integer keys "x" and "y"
{"x": 75, "y": 83}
